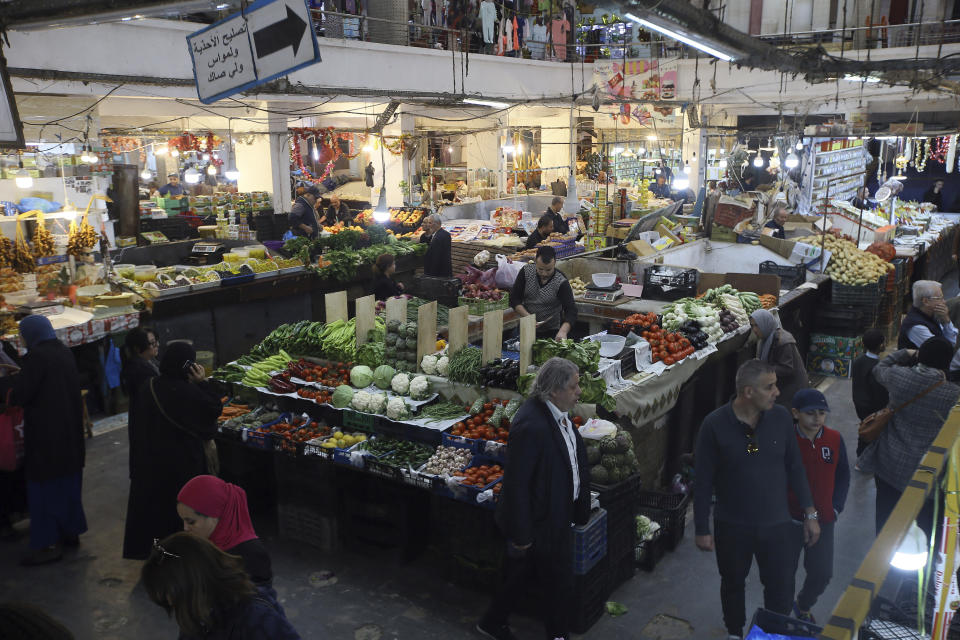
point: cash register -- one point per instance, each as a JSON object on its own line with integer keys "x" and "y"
{"x": 206, "y": 252}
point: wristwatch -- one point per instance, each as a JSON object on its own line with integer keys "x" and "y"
{"x": 811, "y": 516}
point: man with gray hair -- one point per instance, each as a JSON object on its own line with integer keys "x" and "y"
{"x": 546, "y": 488}
{"x": 928, "y": 318}
{"x": 438, "y": 260}
{"x": 553, "y": 212}
{"x": 748, "y": 455}
{"x": 779, "y": 211}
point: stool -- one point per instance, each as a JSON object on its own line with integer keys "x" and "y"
{"x": 87, "y": 424}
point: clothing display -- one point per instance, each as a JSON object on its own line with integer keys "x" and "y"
{"x": 559, "y": 28}
{"x": 537, "y": 41}
{"x": 488, "y": 16}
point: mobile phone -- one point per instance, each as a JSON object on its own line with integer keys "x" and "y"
{"x": 188, "y": 366}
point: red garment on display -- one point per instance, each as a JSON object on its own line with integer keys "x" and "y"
{"x": 215, "y": 498}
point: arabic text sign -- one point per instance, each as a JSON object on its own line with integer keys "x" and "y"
{"x": 269, "y": 39}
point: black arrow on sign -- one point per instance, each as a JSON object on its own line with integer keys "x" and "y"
{"x": 279, "y": 35}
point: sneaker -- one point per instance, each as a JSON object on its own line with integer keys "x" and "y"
{"x": 495, "y": 631}
{"x": 805, "y": 616}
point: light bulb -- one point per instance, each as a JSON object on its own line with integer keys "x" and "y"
{"x": 231, "y": 174}
{"x": 450, "y": 149}
{"x": 93, "y": 158}
{"x": 191, "y": 176}
{"x": 145, "y": 175}
{"x": 799, "y": 145}
{"x": 161, "y": 150}
{"x": 791, "y": 161}
{"x": 723, "y": 163}
{"x": 206, "y": 157}
{"x": 175, "y": 153}
{"x": 911, "y": 555}
{"x": 381, "y": 214}
{"x": 316, "y": 154}
{"x": 679, "y": 184}
{"x": 212, "y": 170}
{"x": 23, "y": 179}
{"x": 758, "y": 161}
{"x": 686, "y": 168}
{"x": 509, "y": 148}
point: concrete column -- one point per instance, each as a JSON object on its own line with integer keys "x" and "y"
{"x": 693, "y": 153}
{"x": 253, "y": 163}
{"x": 279, "y": 159}
{"x": 394, "y": 167}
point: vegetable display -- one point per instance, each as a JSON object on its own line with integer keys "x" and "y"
{"x": 447, "y": 460}
{"x": 400, "y": 346}
{"x": 594, "y": 391}
{"x": 586, "y": 354}
{"x": 441, "y": 411}
{"x": 383, "y": 376}
{"x": 612, "y": 458}
{"x": 501, "y": 374}
{"x": 419, "y": 388}
{"x": 361, "y": 376}
{"x": 260, "y": 373}
{"x": 667, "y": 346}
{"x": 848, "y": 264}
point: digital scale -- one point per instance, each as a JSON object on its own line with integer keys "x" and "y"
{"x": 206, "y": 253}
{"x": 602, "y": 294}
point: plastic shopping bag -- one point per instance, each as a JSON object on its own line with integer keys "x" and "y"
{"x": 11, "y": 437}
{"x": 288, "y": 235}
{"x": 507, "y": 271}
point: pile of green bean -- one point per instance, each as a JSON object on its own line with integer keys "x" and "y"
{"x": 465, "y": 365}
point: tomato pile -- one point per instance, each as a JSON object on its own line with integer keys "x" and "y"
{"x": 297, "y": 430}
{"x": 668, "y": 347}
{"x": 479, "y": 427}
{"x": 634, "y": 322}
{"x": 320, "y": 396}
{"x": 481, "y": 476}
{"x": 329, "y": 376}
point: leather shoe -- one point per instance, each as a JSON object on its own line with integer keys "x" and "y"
{"x": 43, "y": 556}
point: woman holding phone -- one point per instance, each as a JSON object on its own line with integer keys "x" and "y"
{"x": 173, "y": 422}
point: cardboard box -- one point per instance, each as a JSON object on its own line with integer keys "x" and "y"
{"x": 723, "y": 234}
{"x": 666, "y": 233}
{"x": 824, "y": 365}
{"x": 642, "y": 248}
{"x": 758, "y": 283}
{"x": 823, "y": 344}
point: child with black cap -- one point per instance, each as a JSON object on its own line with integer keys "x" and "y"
{"x": 828, "y": 472}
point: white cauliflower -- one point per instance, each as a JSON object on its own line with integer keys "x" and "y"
{"x": 443, "y": 366}
{"x": 377, "y": 403}
{"x": 397, "y": 409}
{"x": 429, "y": 365}
{"x": 419, "y": 388}
{"x": 361, "y": 400}
{"x": 400, "y": 384}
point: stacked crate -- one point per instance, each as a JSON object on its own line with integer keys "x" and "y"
{"x": 832, "y": 355}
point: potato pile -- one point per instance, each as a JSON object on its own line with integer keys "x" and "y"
{"x": 848, "y": 264}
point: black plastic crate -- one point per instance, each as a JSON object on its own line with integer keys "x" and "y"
{"x": 621, "y": 533}
{"x": 307, "y": 525}
{"x": 589, "y": 597}
{"x": 771, "y": 622}
{"x": 613, "y": 496}
{"x": 791, "y": 276}
{"x": 862, "y": 295}
{"x": 844, "y": 320}
{"x": 649, "y": 552}
{"x": 667, "y": 509}
{"x": 661, "y": 282}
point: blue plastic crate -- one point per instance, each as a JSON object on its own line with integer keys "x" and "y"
{"x": 256, "y": 439}
{"x": 590, "y": 543}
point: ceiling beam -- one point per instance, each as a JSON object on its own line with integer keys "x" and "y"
{"x": 41, "y": 14}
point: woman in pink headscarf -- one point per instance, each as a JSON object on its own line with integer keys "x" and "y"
{"x": 217, "y": 511}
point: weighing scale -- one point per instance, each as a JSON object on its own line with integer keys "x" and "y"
{"x": 602, "y": 294}
{"x": 206, "y": 253}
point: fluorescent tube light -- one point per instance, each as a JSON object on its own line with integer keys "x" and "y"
{"x": 680, "y": 38}
{"x": 486, "y": 103}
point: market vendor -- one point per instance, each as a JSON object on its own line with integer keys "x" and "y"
{"x": 660, "y": 188}
{"x": 384, "y": 284}
{"x": 862, "y": 199}
{"x": 303, "y": 218}
{"x": 553, "y": 211}
{"x": 173, "y": 188}
{"x": 541, "y": 233}
{"x": 934, "y": 195}
{"x": 779, "y": 218}
{"x": 438, "y": 260}
{"x": 542, "y": 290}
{"x": 338, "y": 211}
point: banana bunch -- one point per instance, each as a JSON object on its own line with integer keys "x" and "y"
{"x": 42, "y": 241}
{"x": 23, "y": 261}
{"x": 81, "y": 239}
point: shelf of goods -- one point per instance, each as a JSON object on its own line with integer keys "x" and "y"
{"x": 836, "y": 170}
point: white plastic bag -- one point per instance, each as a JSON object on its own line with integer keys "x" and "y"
{"x": 507, "y": 271}
{"x": 595, "y": 429}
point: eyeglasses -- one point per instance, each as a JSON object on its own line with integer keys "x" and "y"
{"x": 752, "y": 445}
{"x": 163, "y": 552}
{"x": 153, "y": 343}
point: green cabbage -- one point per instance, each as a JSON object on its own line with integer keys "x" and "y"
{"x": 361, "y": 376}
{"x": 383, "y": 375}
{"x": 342, "y": 396}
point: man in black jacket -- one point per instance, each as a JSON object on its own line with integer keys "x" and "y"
{"x": 438, "y": 260}
{"x": 553, "y": 212}
{"x": 546, "y": 488}
{"x": 869, "y": 396}
{"x": 541, "y": 233}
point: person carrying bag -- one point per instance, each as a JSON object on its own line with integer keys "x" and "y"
{"x": 874, "y": 424}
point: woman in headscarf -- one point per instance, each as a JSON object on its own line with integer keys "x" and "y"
{"x": 140, "y": 351}
{"x": 217, "y": 511}
{"x": 778, "y": 347}
{"x": 48, "y": 389}
{"x": 172, "y": 420}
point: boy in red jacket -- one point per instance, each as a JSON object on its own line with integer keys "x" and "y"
{"x": 828, "y": 472}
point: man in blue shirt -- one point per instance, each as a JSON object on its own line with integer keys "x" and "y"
{"x": 172, "y": 189}
{"x": 660, "y": 189}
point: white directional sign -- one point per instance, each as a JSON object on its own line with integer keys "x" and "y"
{"x": 269, "y": 39}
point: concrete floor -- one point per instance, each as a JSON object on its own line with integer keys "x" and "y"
{"x": 93, "y": 591}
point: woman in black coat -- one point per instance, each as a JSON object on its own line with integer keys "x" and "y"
{"x": 48, "y": 389}
{"x": 384, "y": 286}
{"x": 173, "y": 418}
{"x": 139, "y": 360}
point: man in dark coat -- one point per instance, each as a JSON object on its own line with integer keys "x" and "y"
{"x": 546, "y": 488}
{"x": 541, "y": 233}
{"x": 175, "y": 414}
{"x": 303, "y": 217}
{"x": 553, "y": 212}
{"x": 368, "y": 174}
{"x": 438, "y": 260}
{"x": 48, "y": 389}
{"x": 869, "y": 396}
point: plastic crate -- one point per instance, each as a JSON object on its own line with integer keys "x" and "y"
{"x": 669, "y": 510}
{"x": 469, "y": 493}
{"x": 861, "y": 295}
{"x": 791, "y": 276}
{"x": 649, "y": 552}
{"x": 257, "y": 439}
{"x": 771, "y": 622}
{"x": 613, "y": 496}
{"x": 450, "y": 440}
{"x": 590, "y": 542}
{"x": 589, "y": 596}
{"x": 479, "y": 307}
{"x": 372, "y": 464}
{"x": 621, "y": 536}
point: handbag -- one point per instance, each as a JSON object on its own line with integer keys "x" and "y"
{"x": 874, "y": 424}
{"x": 11, "y": 437}
{"x": 209, "y": 446}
